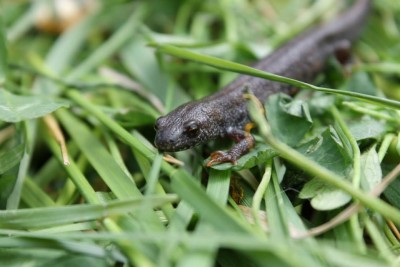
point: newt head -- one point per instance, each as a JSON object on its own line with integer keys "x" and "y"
{"x": 185, "y": 127}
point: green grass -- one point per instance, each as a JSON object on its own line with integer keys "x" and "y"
{"x": 319, "y": 188}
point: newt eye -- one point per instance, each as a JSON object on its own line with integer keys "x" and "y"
{"x": 191, "y": 127}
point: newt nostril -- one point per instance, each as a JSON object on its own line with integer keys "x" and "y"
{"x": 162, "y": 141}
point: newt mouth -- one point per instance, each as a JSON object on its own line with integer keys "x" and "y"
{"x": 169, "y": 146}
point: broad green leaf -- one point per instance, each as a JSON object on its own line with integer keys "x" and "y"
{"x": 15, "y": 108}
{"x": 3, "y": 53}
{"x": 323, "y": 196}
{"x": 289, "y": 120}
{"x": 320, "y": 103}
{"x": 327, "y": 151}
{"x": 367, "y": 128}
{"x": 371, "y": 172}
{"x": 256, "y": 156}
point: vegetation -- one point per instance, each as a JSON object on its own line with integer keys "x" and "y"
{"x": 82, "y": 184}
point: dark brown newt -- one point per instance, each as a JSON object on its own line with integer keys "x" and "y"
{"x": 224, "y": 114}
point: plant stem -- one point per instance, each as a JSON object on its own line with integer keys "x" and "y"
{"x": 259, "y": 194}
{"x": 355, "y": 226}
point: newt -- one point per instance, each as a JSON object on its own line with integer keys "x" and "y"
{"x": 224, "y": 113}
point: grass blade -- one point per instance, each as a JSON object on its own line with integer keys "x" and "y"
{"x": 112, "y": 174}
{"x": 52, "y": 216}
{"x": 239, "y": 68}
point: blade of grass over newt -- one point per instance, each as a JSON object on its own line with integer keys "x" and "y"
{"x": 243, "y": 69}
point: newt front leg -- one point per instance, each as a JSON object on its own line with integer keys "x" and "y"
{"x": 245, "y": 142}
